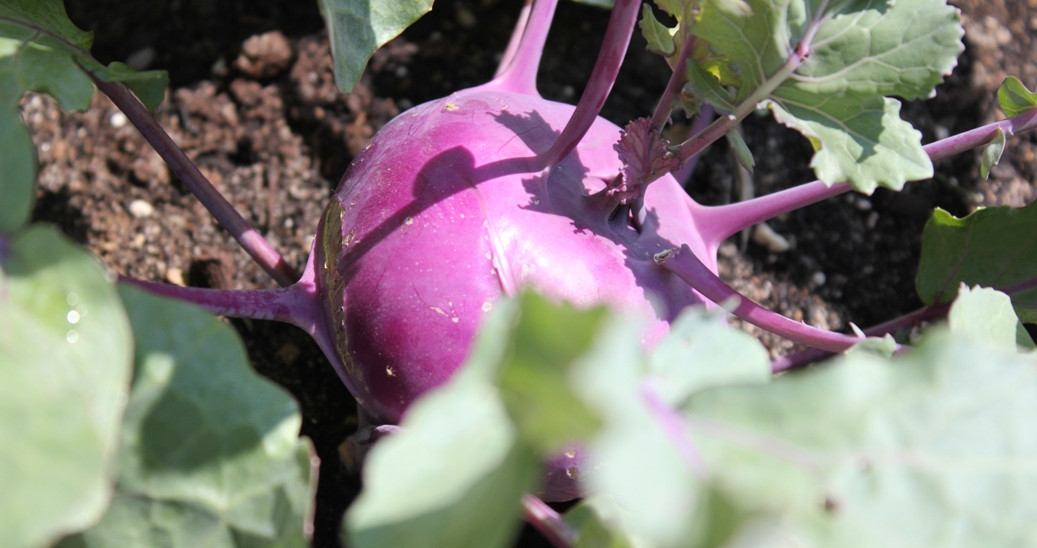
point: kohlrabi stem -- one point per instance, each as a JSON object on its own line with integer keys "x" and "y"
{"x": 726, "y": 220}
{"x": 516, "y": 38}
{"x": 520, "y": 73}
{"x": 698, "y": 142}
{"x": 677, "y": 78}
{"x": 907, "y": 321}
{"x": 689, "y": 268}
{"x": 297, "y": 304}
{"x": 603, "y": 76}
{"x": 294, "y": 304}
{"x": 546, "y": 520}
{"x": 247, "y": 236}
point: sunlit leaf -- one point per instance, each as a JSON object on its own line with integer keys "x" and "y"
{"x": 860, "y": 52}
{"x": 986, "y": 315}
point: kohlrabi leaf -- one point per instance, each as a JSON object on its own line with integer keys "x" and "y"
{"x": 544, "y": 345}
{"x": 599, "y": 524}
{"x": 826, "y": 69}
{"x": 643, "y": 458}
{"x": 210, "y": 452}
{"x": 986, "y": 315}
{"x": 1014, "y": 98}
{"x": 42, "y": 50}
{"x": 992, "y": 154}
{"x": 357, "y": 28}
{"x": 466, "y": 487}
{"x": 992, "y": 247}
{"x": 857, "y": 140}
{"x": 658, "y": 36}
{"x": 18, "y": 176}
{"x": 932, "y": 448}
{"x": 689, "y": 358}
{"x": 65, "y": 364}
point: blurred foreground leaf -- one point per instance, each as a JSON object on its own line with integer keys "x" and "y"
{"x": 455, "y": 472}
{"x": 65, "y": 363}
{"x": 210, "y": 452}
{"x": 933, "y": 448}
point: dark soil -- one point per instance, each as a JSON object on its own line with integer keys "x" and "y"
{"x": 253, "y": 102}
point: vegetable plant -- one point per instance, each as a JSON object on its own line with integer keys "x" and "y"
{"x": 522, "y": 293}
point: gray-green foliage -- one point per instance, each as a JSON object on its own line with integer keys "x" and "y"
{"x": 210, "y": 453}
{"x": 859, "y": 54}
{"x": 65, "y": 365}
{"x": 359, "y": 27}
{"x": 928, "y": 448}
{"x": 42, "y": 50}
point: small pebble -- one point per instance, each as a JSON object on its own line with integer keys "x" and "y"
{"x": 175, "y": 276}
{"x": 141, "y": 209}
{"x": 118, "y": 120}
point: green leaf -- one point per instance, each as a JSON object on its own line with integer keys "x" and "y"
{"x": 210, "y": 451}
{"x": 466, "y": 487}
{"x": 359, "y": 27}
{"x": 836, "y": 95}
{"x": 857, "y": 140}
{"x": 992, "y": 154}
{"x": 1014, "y": 98}
{"x": 597, "y": 523}
{"x": 642, "y": 458}
{"x": 18, "y": 177}
{"x": 42, "y": 50}
{"x": 149, "y": 85}
{"x": 658, "y": 36}
{"x": 47, "y": 16}
{"x": 992, "y": 247}
{"x": 65, "y": 363}
{"x": 929, "y": 449}
{"x": 743, "y": 155}
{"x": 534, "y": 382}
{"x": 877, "y": 47}
{"x": 702, "y": 351}
{"x": 986, "y": 315}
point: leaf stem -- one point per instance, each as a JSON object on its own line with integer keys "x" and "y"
{"x": 906, "y": 321}
{"x": 247, "y": 236}
{"x": 677, "y": 78}
{"x": 518, "y": 69}
{"x": 729, "y": 219}
{"x": 603, "y": 76}
{"x": 516, "y": 38}
{"x": 544, "y": 519}
{"x": 689, "y": 268}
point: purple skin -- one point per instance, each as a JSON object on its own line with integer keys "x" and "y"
{"x": 444, "y": 212}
